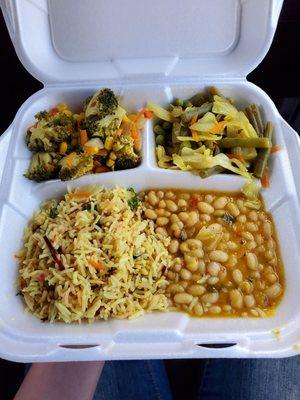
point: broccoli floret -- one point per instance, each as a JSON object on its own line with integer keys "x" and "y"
{"x": 43, "y": 166}
{"x": 49, "y": 131}
{"x": 75, "y": 165}
{"x": 103, "y": 103}
{"x": 103, "y": 115}
{"x": 124, "y": 161}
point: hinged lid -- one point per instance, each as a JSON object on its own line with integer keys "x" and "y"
{"x": 75, "y": 40}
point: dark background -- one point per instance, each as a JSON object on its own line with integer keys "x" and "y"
{"x": 277, "y": 75}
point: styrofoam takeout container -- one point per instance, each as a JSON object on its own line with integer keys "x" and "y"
{"x": 149, "y": 52}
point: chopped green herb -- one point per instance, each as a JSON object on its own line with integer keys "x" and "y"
{"x": 53, "y": 212}
{"x": 134, "y": 201}
{"x": 87, "y": 207}
{"x": 228, "y": 218}
{"x": 18, "y": 293}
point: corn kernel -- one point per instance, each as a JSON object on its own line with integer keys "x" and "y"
{"x": 112, "y": 156}
{"x": 117, "y": 146}
{"x": 110, "y": 163}
{"x": 63, "y": 147}
{"x": 108, "y": 143}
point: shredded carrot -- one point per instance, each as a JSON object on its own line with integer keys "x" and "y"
{"x": 218, "y": 128}
{"x": 100, "y": 168}
{"x": 91, "y": 150}
{"x": 70, "y": 159}
{"x": 193, "y": 120}
{"x": 83, "y": 137}
{"x": 147, "y": 114}
{"x": 134, "y": 133}
{"x": 133, "y": 117}
{"x": 275, "y": 148}
{"x": 54, "y": 111}
{"x": 195, "y": 135}
{"x": 80, "y": 194}
{"x": 96, "y": 264}
{"x": 237, "y": 156}
{"x": 265, "y": 180}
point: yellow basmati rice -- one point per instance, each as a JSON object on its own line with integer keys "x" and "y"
{"x": 89, "y": 256}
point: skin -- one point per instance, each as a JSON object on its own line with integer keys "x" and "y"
{"x": 68, "y": 381}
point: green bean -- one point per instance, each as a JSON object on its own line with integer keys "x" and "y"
{"x": 264, "y": 154}
{"x": 159, "y": 130}
{"x": 176, "y": 128}
{"x": 167, "y": 125}
{"x": 160, "y": 140}
{"x": 256, "y": 112}
{"x": 251, "y": 117}
{"x": 254, "y": 116}
{"x": 198, "y": 99}
{"x": 205, "y": 173}
{"x": 260, "y": 143}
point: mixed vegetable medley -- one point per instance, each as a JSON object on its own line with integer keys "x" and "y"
{"x": 101, "y": 138}
{"x": 207, "y": 135}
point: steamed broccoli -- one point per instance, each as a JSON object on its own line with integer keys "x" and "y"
{"x": 75, "y": 165}
{"x": 43, "y": 166}
{"x": 103, "y": 115}
{"x": 49, "y": 131}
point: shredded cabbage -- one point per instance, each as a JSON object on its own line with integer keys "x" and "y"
{"x": 205, "y": 124}
{"x": 223, "y": 106}
{"x": 240, "y": 122}
{"x": 199, "y": 138}
{"x": 160, "y": 112}
{"x": 162, "y": 159}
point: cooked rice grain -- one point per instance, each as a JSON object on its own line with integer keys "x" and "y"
{"x": 109, "y": 261}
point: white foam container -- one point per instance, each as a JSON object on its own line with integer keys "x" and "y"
{"x": 153, "y": 52}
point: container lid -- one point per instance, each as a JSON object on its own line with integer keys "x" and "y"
{"x": 77, "y": 41}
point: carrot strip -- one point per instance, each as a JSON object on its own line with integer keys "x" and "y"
{"x": 97, "y": 265}
{"x": 237, "y": 156}
{"x": 275, "y": 148}
{"x": 134, "y": 133}
{"x": 83, "y": 137}
{"x": 265, "y": 180}
{"x": 70, "y": 159}
{"x": 193, "y": 120}
{"x": 54, "y": 111}
{"x": 218, "y": 128}
{"x": 80, "y": 194}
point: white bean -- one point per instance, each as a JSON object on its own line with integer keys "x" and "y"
{"x": 185, "y": 274}
{"x": 151, "y": 214}
{"x": 198, "y": 309}
{"x": 213, "y": 268}
{"x": 249, "y": 301}
{"x": 233, "y": 209}
{"x": 153, "y": 200}
{"x": 218, "y": 255}
{"x": 220, "y": 203}
{"x": 196, "y": 290}
{"x": 252, "y": 261}
{"x": 162, "y": 221}
{"x": 267, "y": 229}
{"x": 215, "y": 309}
{"x": 171, "y": 206}
{"x": 175, "y": 288}
{"x": 237, "y": 276}
{"x": 274, "y": 290}
{"x": 210, "y": 297}
{"x": 173, "y": 246}
{"x": 183, "y": 298}
{"x": 236, "y": 298}
{"x": 205, "y": 208}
